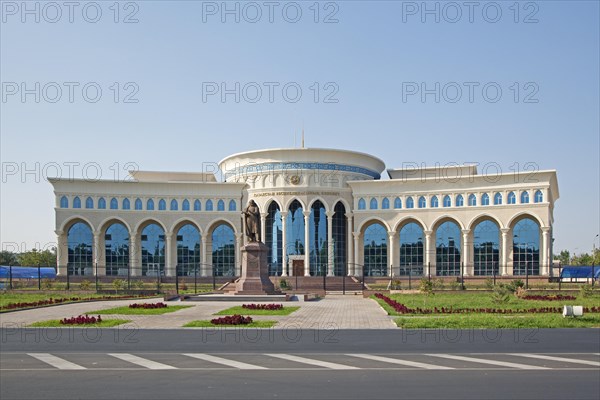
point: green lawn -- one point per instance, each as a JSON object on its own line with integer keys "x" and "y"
{"x": 125, "y": 310}
{"x": 494, "y": 321}
{"x": 240, "y": 310}
{"x": 12, "y": 297}
{"x": 208, "y": 324}
{"x": 55, "y": 323}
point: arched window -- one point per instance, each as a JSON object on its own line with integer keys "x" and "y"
{"x": 375, "y": 250}
{"x": 472, "y": 200}
{"x": 174, "y": 205}
{"x": 295, "y": 229}
{"x": 138, "y": 204}
{"x": 340, "y": 247}
{"x": 448, "y": 251}
{"x": 220, "y": 205}
{"x": 410, "y": 203}
{"x": 422, "y": 202}
{"x": 89, "y": 203}
{"x": 498, "y": 199}
{"x": 447, "y": 201}
{"x": 435, "y": 202}
{"x": 150, "y": 205}
{"x": 460, "y": 201}
{"x": 116, "y": 249}
{"x": 361, "y": 204}
{"x": 197, "y": 205}
{"x": 80, "y": 242}
{"x": 397, "y": 202}
{"x": 153, "y": 250}
{"x": 526, "y": 247}
{"x": 223, "y": 251}
{"x": 274, "y": 239}
{"x": 411, "y": 249}
{"x": 188, "y": 250}
{"x": 114, "y": 204}
{"x": 64, "y": 202}
{"x": 101, "y": 203}
{"x": 524, "y": 197}
{"x": 373, "y": 204}
{"x": 232, "y": 205}
{"x": 209, "y": 205}
{"x": 539, "y": 196}
{"x": 76, "y": 202}
{"x": 385, "y": 203}
{"x": 185, "y": 206}
{"x": 512, "y": 198}
{"x": 318, "y": 239}
{"x": 485, "y": 199}
{"x": 162, "y": 205}
{"x": 486, "y": 248}
{"x": 126, "y": 204}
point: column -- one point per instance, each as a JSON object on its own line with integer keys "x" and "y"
{"x": 239, "y": 238}
{"x": 350, "y": 252}
{"x": 205, "y": 269}
{"x": 98, "y": 256}
{"x": 391, "y": 251}
{"x": 171, "y": 257}
{"x": 544, "y": 251}
{"x": 135, "y": 252}
{"x": 263, "y": 226}
{"x": 330, "y": 255}
{"x": 429, "y": 254}
{"x": 504, "y": 252}
{"x": 284, "y": 267}
{"x": 466, "y": 253}
{"x": 358, "y": 269}
{"x": 62, "y": 252}
{"x": 306, "y": 243}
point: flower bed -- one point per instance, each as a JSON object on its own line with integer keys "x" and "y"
{"x": 270, "y": 307}
{"x": 148, "y": 306}
{"x": 48, "y": 302}
{"x": 402, "y": 309}
{"x": 81, "y": 320}
{"x": 548, "y": 297}
{"x": 231, "y": 320}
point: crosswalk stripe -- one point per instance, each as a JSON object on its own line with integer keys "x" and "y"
{"x": 398, "y": 361}
{"x": 311, "y": 361}
{"x": 563, "y": 359}
{"x": 224, "y": 361}
{"x": 485, "y": 361}
{"x": 141, "y": 361}
{"x": 55, "y": 361}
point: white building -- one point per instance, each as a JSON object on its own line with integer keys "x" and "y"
{"x": 324, "y": 211}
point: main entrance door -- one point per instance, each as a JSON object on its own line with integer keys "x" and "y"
{"x": 298, "y": 267}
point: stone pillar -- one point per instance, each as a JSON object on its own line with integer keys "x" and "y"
{"x": 429, "y": 254}
{"x": 504, "y": 252}
{"x": 350, "y": 251}
{"x": 171, "y": 256}
{"x": 205, "y": 270}
{"x": 391, "y": 251}
{"x": 466, "y": 253}
{"x": 135, "y": 252}
{"x": 99, "y": 266}
{"x": 358, "y": 269}
{"x": 263, "y": 226}
{"x": 62, "y": 252}
{"x": 239, "y": 241}
{"x": 330, "y": 255}
{"x": 306, "y": 243}
{"x": 545, "y": 251}
{"x": 284, "y": 267}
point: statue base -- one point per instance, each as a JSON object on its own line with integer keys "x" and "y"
{"x": 255, "y": 273}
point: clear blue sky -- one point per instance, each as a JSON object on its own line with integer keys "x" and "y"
{"x": 368, "y": 56}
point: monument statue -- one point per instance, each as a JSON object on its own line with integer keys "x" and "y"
{"x": 252, "y": 220}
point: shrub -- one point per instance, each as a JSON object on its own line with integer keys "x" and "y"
{"x": 231, "y": 320}
{"x": 396, "y": 284}
{"x": 85, "y": 284}
{"x": 81, "y": 320}
{"x": 586, "y": 291}
{"x": 118, "y": 284}
{"x": 438, "y": 284}
{"x": 455, "y": 285}
{"x": 514, "y": 284}
{"x": 500, "y": 294}
{"x": 520, "y": 292}
{"x": 425, "y": 286}
{"x": 148, "y": 306}
{"x": 183, "y": 285}
{"x": 46, "y": 284}
{"x": 283, "y": 284}
{"x": 137, "y": 284}
{"x": 548, "y": 297}
{"x": 489, "y": 283}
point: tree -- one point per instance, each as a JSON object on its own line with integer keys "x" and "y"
{"x": 44, "y": 258}
{"x": 8, "y": 258}
{"x": 564, "y": 257}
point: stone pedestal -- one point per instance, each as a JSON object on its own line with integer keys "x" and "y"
{"x": 255, "y": 274}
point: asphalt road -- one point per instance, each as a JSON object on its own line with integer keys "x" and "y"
{"x": 292, "y": 364}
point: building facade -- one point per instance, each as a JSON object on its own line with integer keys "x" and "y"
{"x": 323, "y": 212}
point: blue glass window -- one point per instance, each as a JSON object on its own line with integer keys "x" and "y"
{"x": 220, "y": 205}
{"x": 375, "y": 250}
{"x": 174, "y": 205}
{"x": 232, "y": 205}
{"x": 524, "y": 197}
{"x": 223, "y": 251}
{"x": 512, "y": 198}
{"x": 385, "y": 203}
{"x": 89, "y": 203}
{"x": 448, "y": 241}
{"x": 422, "y": 202}
{"x": 162, "y": 205}
{"x": 76, "y": 202}
{"x": 114, "y": 204}
{"x": 498, "y": 199}
{"x": 411, "y": 249}
{"x": 126, "y": 204}
{"x": 188, "y": 250}
{"x": 80, "y": 242}
{"x": 209, "y": 205}
{"x": 435, "y": 202}
{"x": 472, "y": 200}
{"x": 460, "y": 201}
{"x": 362, "y": 204}
{"x": 447, "y": 201}
{"x": 185, "y": 206}
{"x": 373, "y": 204}
{"x": 138, "y": 204}
{"x": 197, "y": 205}
{"x": 485, "y": 199}
{"x": 397, "y": 202}
{"x": 410, "y": 203}
{"x": 101, "y": 203}
{"x": 318, "y": 239}
{"x": 64, "y": 202}
{"x": 150, "y": 205}
{"x": 526, "y": 247}
{"x": 116, "y": 249}
{"x": 339, "y": 228}
{"x": 295, "y": 229}
{"x": 274, "y": 240}
{"x": 486, "y": 248}
{"x": 539, "y": 197}
{"x": 153, "y": 250}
